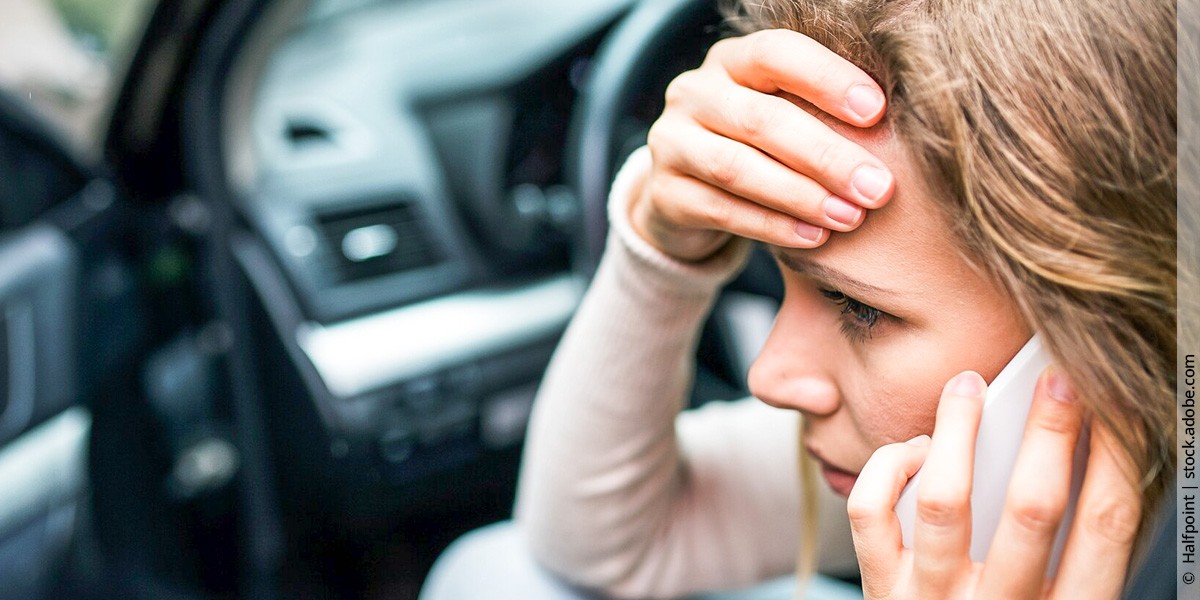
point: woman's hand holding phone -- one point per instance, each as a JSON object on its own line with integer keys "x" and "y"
{"x": 1100, "y": 540}
{"x": 733, "y": 155}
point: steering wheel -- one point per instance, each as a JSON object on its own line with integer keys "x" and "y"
{"x": 655, "y": 42}
{"x": 658, "y": 40}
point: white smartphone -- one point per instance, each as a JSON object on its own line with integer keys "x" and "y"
{"x": 1001, "y": 430}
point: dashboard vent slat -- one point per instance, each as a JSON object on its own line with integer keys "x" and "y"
{"x": 376, "y": 241}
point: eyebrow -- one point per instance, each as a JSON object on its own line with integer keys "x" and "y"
{"x": 842, "y": 281}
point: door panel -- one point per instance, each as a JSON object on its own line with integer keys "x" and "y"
{"x": 43, "y": 431}
{"x": 38, "y": 270}
{"x": 42, "y": 464}
{"x": 43, "y": 438}
{"x": 44, "y": 475}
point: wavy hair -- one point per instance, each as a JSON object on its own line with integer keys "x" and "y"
{"x": 1048, "y": 129}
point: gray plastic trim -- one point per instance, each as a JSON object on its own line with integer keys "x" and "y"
{"x": 44, "y": 469}
{"x": 22, "y": 347}
{"x": 38, "y": 273}
{"x": 375, "y": 351}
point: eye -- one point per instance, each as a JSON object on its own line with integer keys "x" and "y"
{"x": 858, "y": 318}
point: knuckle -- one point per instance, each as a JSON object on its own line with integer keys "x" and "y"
{"x": 864, "y": 508}
{"x": 943, "y": 507}
{"x": 1058, "y": 418}
{"x": 861, "y": 512}
{"x": 769, "y": 224}
{"x": 661, "y": 199}
{"x": 1113, "y": 520}
{"x": 679, "y": 88}
{"x": 757, "y": 121}
{"x": 674, "y": 94}
{"x": 726, "y": 167}
{"x": 655, "y": 191}
{"x": 722, "y": 48}
{"x": 1039, "y": 516}
{"x": 658, "y": 137}
{"x": 762, "y": 46}
{"x": 828, "y": 157}
{"x": 751, "y": 122}
{"x": 719, "y": 212}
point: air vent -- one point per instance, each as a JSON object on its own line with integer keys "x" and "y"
{"x": 307, "y": 134}
{"x": 380, "y": 240}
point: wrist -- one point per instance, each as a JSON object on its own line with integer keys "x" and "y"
{"x": 684, "y": 244}
{"x": 639, "y": 250}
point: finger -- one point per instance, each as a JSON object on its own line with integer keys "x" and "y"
{"x": 793, "y": 137}
{"x": 1038, "y": 492}
{"x": 871, "y": 508}
{"x": 1107, "y": 516}
{"x": 748, "y": 173}
{"x": 686, "y": 202}
{"x": 778, "y": 60}
{"x": 942, "y": 535}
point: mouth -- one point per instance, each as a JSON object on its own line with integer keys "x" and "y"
{"x": 840, "y": 480}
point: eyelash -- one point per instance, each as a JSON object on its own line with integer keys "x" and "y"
{"x": 859, "y": 319}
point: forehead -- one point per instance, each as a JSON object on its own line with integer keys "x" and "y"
{"x": 911, "y": 215}
{"x": 908, "y": 244}
{"x": 912, "y": 212}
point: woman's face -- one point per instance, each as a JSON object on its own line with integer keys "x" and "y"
{"x": 876, "y": 321}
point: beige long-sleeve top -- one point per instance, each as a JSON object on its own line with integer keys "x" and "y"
{"x": 621, "y": 491}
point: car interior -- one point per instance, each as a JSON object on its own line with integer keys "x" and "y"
{"x": 280, "y": 335}
{"x": 277, "y": 331}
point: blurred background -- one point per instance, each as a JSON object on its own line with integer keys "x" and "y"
{"x": 279, "y": 278}
{"x": 64, "y": 55}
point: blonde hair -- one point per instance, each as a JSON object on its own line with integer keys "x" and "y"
{"x": 1049, "y": 129}
{"x": 810, "y": 514}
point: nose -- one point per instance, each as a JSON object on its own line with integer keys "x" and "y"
{"x": 791, "y": 372}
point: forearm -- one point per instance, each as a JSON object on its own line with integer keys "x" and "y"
{"x": 606, "y": 496}
{"x": 602, "y": 458}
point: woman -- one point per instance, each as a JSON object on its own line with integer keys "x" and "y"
{"x": 1022, "y": 180}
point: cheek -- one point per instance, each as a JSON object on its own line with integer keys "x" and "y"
{"x": 896, "y": 398}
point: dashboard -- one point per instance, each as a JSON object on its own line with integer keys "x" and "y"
{"x": 411, "y": 149}
{"x": 414, "y": 219}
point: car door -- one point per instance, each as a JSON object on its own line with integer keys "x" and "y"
{"x": 44, "y": 427}
{"x": 65, "y": 290}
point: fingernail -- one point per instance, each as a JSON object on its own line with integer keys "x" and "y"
{"x": 920, "y": 440}
{"x": 1060, "y": 387}
{"x": 841, "y": 211}
{"x": 968, "y": 384}
{"x": 864, "y": 100}
{"x": 809, "y": 231}
{"x": 871, "y": 182}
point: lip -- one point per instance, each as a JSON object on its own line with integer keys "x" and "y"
{"x": 840, "y": 480}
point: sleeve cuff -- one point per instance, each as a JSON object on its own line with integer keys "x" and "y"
{"x": 703, "y": 276}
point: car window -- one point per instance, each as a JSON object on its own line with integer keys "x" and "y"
{"x": 65, "y": 57}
